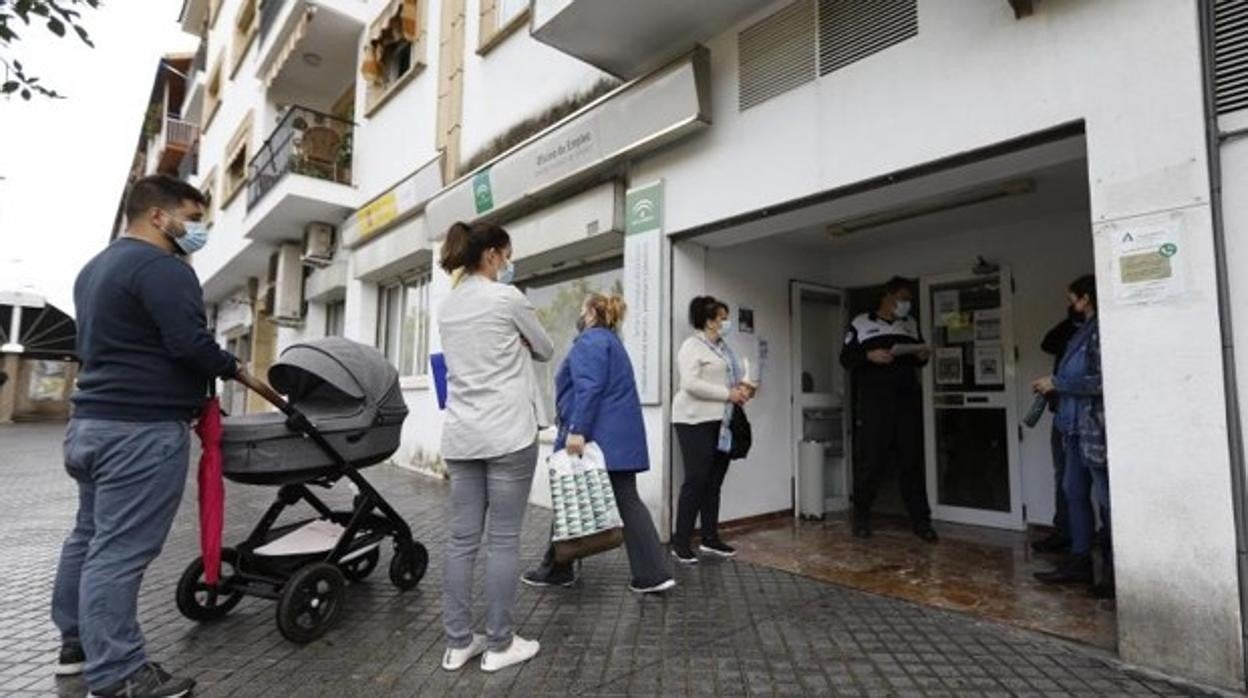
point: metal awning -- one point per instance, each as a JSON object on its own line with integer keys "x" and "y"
{"x": 41, "y": 330}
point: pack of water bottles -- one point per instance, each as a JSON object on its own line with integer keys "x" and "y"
{"x": 581, "y": 494}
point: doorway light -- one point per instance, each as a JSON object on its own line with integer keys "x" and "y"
{"x": 973, "y": 197}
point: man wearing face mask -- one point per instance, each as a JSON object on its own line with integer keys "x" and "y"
{"x": 147, "y": 361}
{"x": 889, "y": 406}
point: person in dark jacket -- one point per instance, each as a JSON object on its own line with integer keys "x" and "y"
{"x": 1054, "y": 344}
{"x": 597, "y": 401}
{"x": 1081, "y": 419}
{"x": 147, "y": 360}
{"x": 889, "y": 406}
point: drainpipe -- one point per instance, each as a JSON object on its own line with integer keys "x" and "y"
{"x": 1214, "y": 138}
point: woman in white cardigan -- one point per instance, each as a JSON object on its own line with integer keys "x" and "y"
{"x": 711, "y": 382}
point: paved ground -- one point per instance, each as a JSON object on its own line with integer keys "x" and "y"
{"x": 729, "y": 629}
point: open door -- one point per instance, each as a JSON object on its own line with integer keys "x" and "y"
{"x": 819, "y": 417}
{"x": 970, "y": 415}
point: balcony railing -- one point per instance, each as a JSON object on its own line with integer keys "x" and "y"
{"x": 305, "y": 142}
{"x": 180, "y": 134}
{"x": 269, "y": 10}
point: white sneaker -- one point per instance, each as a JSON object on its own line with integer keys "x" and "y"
{"x": 657, "y": 588}
{"x": 520, "y": 650}
{"x": 455, "y": 659}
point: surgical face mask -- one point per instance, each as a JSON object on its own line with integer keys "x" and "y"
{"x": 580, "y": 324}
{"x": 725, "y": 327}
{"x": 507, "y": 274}
{"x": 903, "y": 309}
{"x": 193, "y": 238}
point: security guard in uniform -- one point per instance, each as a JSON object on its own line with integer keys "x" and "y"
{"x": 889, "y": 406}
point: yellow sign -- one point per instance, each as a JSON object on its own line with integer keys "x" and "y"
{"x": 1148, "y": 266}
{"x": 378, "y": 214}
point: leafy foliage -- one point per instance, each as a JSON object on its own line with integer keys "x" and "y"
{"x": 57, "y": 16}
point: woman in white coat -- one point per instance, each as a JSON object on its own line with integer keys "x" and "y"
{"x": 711, "y": 383}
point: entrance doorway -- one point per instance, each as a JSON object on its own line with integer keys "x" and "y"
{"x": 991, "y": 247}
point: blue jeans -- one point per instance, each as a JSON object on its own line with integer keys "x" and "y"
{"x": 498, "y": 487}
{"x": 130, "y": 478}
{"x": 1083, "y": 483}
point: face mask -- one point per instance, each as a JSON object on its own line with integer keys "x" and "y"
{"x": 507, "y": 273}
{"x": 580, "y": 324}
{"x": 193, "y": 238}
{"x": 903, "y": 309}
{"x": 725, "y": 327}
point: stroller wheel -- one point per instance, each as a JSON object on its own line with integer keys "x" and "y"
{"x": 408, "y": 565}
{"x": 357, "y": 569}
{"x": 310, "y": 602}
{"x": 199, "y": 602}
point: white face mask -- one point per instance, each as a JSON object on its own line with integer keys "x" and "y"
{"x": 725, "y": 327}
{"x": 903, "y": 309}
{"x": 507, "y": 274}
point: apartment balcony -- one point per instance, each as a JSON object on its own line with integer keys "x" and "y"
{"x": 309, "y": 51}
{"x": 302, "y": 174}
{"x": 630, "y": 39}
{"x": 176, "y": 139}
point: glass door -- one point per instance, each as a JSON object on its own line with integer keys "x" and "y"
{"x": 970, "y": 384}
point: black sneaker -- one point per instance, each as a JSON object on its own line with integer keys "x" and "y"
{"x": 563, "y": 576}
{"x": 71, "y": 661}
{"x": 717, "y": 547}
{"x": 684, "y": 555}
{"x": 150, "y": 681}
{"x": 926, "y": 533}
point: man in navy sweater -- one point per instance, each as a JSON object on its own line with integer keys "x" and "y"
{"x": 147, "y": 360}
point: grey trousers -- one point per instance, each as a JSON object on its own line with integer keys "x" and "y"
{"x": 130, "y": 477}
{"x": 486, "y": 496}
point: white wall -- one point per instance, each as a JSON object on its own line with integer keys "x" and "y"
{"x": 517, "y": 79}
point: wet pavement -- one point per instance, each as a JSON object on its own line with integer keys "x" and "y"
{"x": 984, "y": 572}
{"x": 731, "y": 628}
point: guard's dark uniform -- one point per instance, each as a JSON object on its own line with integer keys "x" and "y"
{"x": 889, "y": 412}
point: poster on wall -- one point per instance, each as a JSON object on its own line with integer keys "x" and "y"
{"x": 949, "y": 366}
{"x": 643, "y": 285}
{"x": 988, "y": 325}
{"x": 989, "y": 364}
{"x": 947, "y": 307}
{"x": 1147, "y": 265}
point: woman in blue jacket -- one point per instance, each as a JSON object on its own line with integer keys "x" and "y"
{"x": 596, "y": 400}
{"x": 1081, "y": 420}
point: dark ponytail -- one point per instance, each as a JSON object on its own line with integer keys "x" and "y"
{"x": 466, "y": 244}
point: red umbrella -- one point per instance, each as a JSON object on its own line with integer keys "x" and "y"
{"x": 211, "y": 489}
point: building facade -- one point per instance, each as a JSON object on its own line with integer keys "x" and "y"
{"x": 786, "y": 157}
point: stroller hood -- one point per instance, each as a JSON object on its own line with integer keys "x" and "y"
{"x": 356, "y": 371}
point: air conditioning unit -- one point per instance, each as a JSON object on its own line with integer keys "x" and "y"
{"x": 284, "y": 295}
{"x": 318, "y": 244}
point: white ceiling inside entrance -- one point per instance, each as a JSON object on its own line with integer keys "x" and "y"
{"x": 931, "y": 205}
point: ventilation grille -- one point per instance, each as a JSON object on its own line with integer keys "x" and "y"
{"x": 851, "y": 30}
{"x": 777, "y": 54}
{"x": 1230, "y": 58}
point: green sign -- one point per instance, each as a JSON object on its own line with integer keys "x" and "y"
{"x": 1169, "y": 249}
{"x": 645, "y": 209}
{"x": 481, "y": 191}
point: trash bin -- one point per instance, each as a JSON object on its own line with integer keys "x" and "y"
{"x": 810, "y": 464}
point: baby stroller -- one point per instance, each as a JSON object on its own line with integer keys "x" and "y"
{"x": 344, "y": 412}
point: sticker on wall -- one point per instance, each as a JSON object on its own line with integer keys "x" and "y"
{"x": 745, "y": 320}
